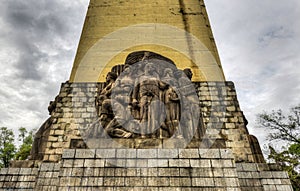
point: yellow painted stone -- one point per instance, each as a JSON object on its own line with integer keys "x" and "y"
{"x": 178, "y": 30}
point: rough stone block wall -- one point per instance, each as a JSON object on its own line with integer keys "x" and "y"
{"x": 48, "y": 177}
{"x": 75, "y": 108}
{"x": 222, "y": 117}
{"x": 268, "y": 177}
{"x": 18, "y": 179}
{"x": 148, "y": 169}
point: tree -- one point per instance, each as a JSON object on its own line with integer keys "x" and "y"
{"x": 25, "y": 148}
{"x": 22, "y": 133}
{"x": 7, "y": 147}
{"x": 286, "y": 129}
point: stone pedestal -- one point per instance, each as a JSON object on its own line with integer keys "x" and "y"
{"x": 222, "y": 118}
{"x": 225, "y": 158}
{"x": 146, "y": 169}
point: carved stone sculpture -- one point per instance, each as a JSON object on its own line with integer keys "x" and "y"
{"x": 172, "y": 102}
{"x": 150, "y": 98}
{"x": 146, "y": 96}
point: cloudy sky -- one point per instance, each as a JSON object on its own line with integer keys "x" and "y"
{"x": 258, "y": 42}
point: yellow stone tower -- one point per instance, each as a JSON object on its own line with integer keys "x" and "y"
{"x": 150, "y": 126}
{"x": 177, "y": 29}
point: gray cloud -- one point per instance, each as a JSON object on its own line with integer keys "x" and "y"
{"x": 39, "y": 28}
{"x": 258, "y": 43}
{"x": 36, "y": 55}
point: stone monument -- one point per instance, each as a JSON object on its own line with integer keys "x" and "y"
{"x": 147, "y": 107}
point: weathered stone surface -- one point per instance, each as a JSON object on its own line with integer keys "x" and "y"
{"x": 188, "y": 153}
{"x": 68, "y": 153}
{"x": 106, "y": 153}
{"x": 259, "y": 177}
{"x": 126, "y": 153}
{"x": 147, "y": 153}
{"x": 85, "y": 154}
{"x": 167, "y": 153}
{"x": 210, "y": 153}
{"x": 158, "y": 161}
{"x": 210, "y": 110}
{"x": 153, "y": 170}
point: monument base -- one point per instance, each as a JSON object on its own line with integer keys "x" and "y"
{"x": 146, "y": 169}
{"x": 74, "y": 109}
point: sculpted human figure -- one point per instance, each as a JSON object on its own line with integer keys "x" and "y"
{"x": 99, "y": 101}
{"x": 172, "y": 102}
{"x": 190, "y": 102}
{"x": 122, "y": 107}
{"x": 147, "y": 97}
{"x": 110, "y": 81}
{"x": 96, "y": 129}
{"x": 124, "y": 86}
{"x": 105, "y": 112}
{"x": 116, "y": 127}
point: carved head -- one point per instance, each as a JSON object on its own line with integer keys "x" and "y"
{"x": 111, "y": 76}
{"x": 168, "y": 72}
{"x": 126, "y": 71}
{"x": 149, "y": 68}
{"x": 100, "y": 100}
{"x": 188, "y": 72}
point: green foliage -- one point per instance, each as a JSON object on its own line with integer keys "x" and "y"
{"x": 24, "y": 152}
{"x": 290, "y": 163}
{"x": 295, "y": 149}
{"x": 22, "y": 134}
{"x": 25, "y": 148}
{"x": 285, "y": 128}
{"x": 7, "y": 147}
